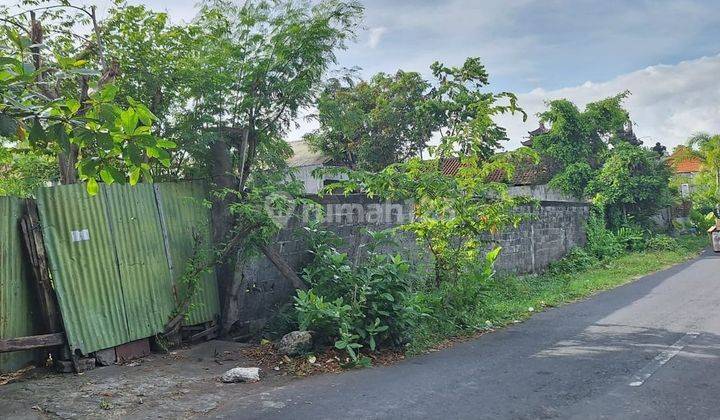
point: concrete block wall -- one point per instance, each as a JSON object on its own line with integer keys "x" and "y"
{"x": 555, "y": 227}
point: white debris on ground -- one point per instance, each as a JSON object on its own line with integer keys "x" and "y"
{"x": 241, "y": 374}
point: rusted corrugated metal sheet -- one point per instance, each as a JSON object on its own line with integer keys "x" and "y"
{"x": 184, "y": 215}
{"x": 146, "y": 282}
{"x": 16, "y": 296}
{"x": 84, "y": 267}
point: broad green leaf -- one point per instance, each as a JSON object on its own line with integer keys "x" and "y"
{"x": 58, "y": 133}
{"x": 107, "y": 93}
{"x": 9, "y": 61}
{"x": 492, "y": 255}
{"x": 92, "y": 186}
{"x": 88, "y": 167}
{"x": 106, "y": 176}
{"x": 118, "y": 176}
{"x": 133, "y": 154}
{"x": 73, "y": 105}
{"x": 37, "y": 135}
{"x": 166, "y": 144}
{"x": 108, "y": 113}
{"x": 129, "y": 120}
{"x": 145, "y": 115}
{"x": 105, "y": 141}
{"x": 134, "y": 175}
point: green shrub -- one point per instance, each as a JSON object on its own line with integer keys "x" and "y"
{"x": 700, "y": 220}
{"x": 456, "y": 303}
{"x": 662, "y": 243}
{"x": 631, "y": 238}
{"x": 356, "y": 306}
{"x": 455, "y": 307}
{"x": 601, "y": 242}
{"x": 578, "y": 259}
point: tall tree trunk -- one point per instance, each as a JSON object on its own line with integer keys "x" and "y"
{"x": 67, "y": 161}
{"x": 223, "y": 223}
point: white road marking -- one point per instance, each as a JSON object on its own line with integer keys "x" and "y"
{"x": 643, "y": 374}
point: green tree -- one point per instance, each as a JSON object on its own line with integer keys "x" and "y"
{"x": 578, "y": 140}
{"x": 466, "y": 110}
{"x": 21, "y": 173}
{"x": 150, "y": 50}
{"x": 632, "y": 185}
{"x": 250, "y": 71}
{"x": 453, "y": 213}
{"x": 373, "y": 124}
{"x": 708, "y": 149}
{"x": 57, "y": 98}
{"x": 706, "y": 184}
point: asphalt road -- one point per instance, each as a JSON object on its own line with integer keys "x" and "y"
{"x": 650, "y": 349}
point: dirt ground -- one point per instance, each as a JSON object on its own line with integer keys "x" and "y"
{"x": 182, "y": 384}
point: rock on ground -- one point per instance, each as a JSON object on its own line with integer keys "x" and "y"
{"x": 295, "y": 343}
{"x": 105, "y": 357}
{"x": 241, "y": 374}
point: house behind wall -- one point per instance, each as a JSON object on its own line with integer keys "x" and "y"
{"x": 304, "y": 161}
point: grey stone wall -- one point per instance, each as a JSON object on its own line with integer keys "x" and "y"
{"x": 553, "y": 229}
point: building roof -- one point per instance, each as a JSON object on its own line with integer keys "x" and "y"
{"x": 304, "y": 156}
{"x": 536, "y": 132}
{"x": 683, "y": 162}
{"x": 687, "y": 166}
{"x": 526, "y": 173}
{"x": 450, "y": 166}
{"x": 540, "y": 130}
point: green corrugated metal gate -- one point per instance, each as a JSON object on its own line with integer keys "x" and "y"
{"x": 184, "y": 216}
{"x": 113, "y": 268}
{"x": 16, "y": 297}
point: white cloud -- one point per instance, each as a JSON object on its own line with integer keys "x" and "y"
{"x": 375, "y": 36}
{"x": 668, "y": 102}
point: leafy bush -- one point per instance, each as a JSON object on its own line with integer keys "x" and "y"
{"x": 631, "y": 238}
{"x": 458, "y": 302}
{"x": 601, "y": 242}
{"x": 662, "y": 243}
{"x": 633, "y": 184}
{"x": 356, "y": 306}
{"x": 701, "y": 220}
{"x": 578, "y": 259}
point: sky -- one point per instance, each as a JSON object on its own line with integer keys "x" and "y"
{"x": 665, "y": 52}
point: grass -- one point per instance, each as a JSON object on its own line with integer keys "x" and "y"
{"x": 514, "y": 298}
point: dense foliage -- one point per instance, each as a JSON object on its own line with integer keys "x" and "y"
{"x": 21, "y": 173}
{"x": 705, "y": 195}
{"x": 454, "y": 211}
{"x": 631, "y": 186}
{"x": 133, "y": 97}
{"x": 57, "y": 98}
{"x": 356, "y": 305}
{"x": 390, "y": 119}
{"x": 578, "y": 140}
{"x": 598, "y": 156}
{"x": 372, "y": 124}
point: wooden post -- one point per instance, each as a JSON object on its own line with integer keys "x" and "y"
{"x": 283, "y": 267}
{"x": 35, "y": 247}
{"x": 31, "y": 342}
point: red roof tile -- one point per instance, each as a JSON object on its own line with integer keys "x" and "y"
{"x": 683, "y": 162}
{"x": 687, "y": 166}
{"x": 526, "y": 173}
